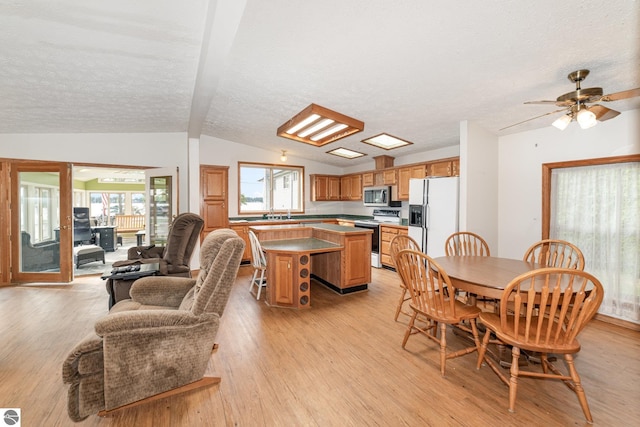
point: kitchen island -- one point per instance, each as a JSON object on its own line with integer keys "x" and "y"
{"x": 334, "y": 255}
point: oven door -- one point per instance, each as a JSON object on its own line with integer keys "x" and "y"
{"x": 375, "y": 241}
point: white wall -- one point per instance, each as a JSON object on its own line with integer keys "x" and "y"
{"x": 135, "y": 149}
{"x": 521, "y": 157}
{"x": 479, "y": 183}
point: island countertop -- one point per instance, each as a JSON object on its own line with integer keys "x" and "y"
{"x": 341, "y": 229}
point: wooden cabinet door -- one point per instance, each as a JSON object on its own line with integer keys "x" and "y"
{"x": 319, "y": 185}
{"x": 213, "y": 198}
{"x": 357, "y": 262}
{"x": 280, "y": 272}
{"x": 368, "y": 179}
{"x": 345, "y": 187}
{"x": 404, "y": 175}
{"x": 333, "y": 185}
{"x": 455, "y": 168}
{"x": 243, "y": 231}
{"x": 389, "y": 177}
{"x": 356, "y": 187}
{"x": 439, "y": 169}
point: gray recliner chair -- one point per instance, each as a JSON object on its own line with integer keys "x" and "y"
{"x": 159, "y": 340}
{"x": 173, "y": 259}
{"x": 40, "y": 256}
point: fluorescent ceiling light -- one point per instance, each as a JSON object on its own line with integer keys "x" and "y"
{"x": 386, "y": 141}
{"x": 345, "y": 152}
{"x": 331, "y": 130}
{"x": 310, "y": 126}
{"x": 315, "y": 128}
{"x": 312, "y": 118}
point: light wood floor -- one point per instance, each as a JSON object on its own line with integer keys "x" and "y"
{"x": 338, "y": 364}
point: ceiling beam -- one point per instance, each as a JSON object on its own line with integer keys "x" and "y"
{"x": 222, "y": 21}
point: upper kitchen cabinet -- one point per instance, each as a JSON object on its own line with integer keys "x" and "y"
{"x": 368, "y": 179}
{"x": 325, "y": 188}
{"x": 389, "y": 177}
{"x": 351, "y": 187}
{"x": 404, "y": 175}
{"x": 443, "y": 168}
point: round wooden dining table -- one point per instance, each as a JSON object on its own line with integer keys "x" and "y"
{"x": 482, "y": 275}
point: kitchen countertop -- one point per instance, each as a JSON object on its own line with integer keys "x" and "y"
{"x": 297, "y": 219}
{"x": 318, "y": 225}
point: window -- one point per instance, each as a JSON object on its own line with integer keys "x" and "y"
{"x": 39, "y": 211}
{"x": 594, "y": 204}
{"x": 270, "y": 188}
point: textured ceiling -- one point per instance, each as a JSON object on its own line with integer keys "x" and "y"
{"x": 412, "y": 68}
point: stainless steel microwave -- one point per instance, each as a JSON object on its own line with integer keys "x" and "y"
{"x": 376, "y": 196}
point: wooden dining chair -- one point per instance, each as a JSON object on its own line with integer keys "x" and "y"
{"x": 397, "y": 244}
{"x": 466, "y": 243}
{"x": 259, "y": 262}
{"x": 555, "y": 253}
{"x": 543, "y": 311}
{"x": 426, "y": 282}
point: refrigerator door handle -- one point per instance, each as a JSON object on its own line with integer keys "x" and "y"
{"x": 426, "y": 217}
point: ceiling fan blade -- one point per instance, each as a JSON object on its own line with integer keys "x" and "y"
{"x": 536, "y": 117}
{"x": 603, "y": 113}
{"x": 541, "y": 102}
{"x": 631, "y": 93}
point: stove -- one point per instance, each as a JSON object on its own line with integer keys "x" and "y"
{"x": 380, "y": 216}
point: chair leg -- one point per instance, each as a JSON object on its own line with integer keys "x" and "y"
{"x": 253, "y": 279}
{"x": 260, "y": 283}
{"x": 513, "y": 381}
{"x": 443, "y": 348}
{"x": 400, "y": 302}
{"x": 409, "y": 328}
{"x": 577, "y": 387}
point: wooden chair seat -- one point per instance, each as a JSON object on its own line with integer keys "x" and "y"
{"x": 492, "y": 321}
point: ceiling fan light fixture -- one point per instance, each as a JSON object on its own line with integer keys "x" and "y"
{"x": 562, "y": 122}
{"x": 586, "y": 119}
{"x": 318, "y": 126}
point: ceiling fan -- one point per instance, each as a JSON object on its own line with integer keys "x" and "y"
{"x": 575, "y": 104}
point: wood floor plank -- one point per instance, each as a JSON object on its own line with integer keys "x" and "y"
{"x": 338, "y": 364}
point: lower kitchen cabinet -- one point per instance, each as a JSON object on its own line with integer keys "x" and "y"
{"x": 387, "y": 233}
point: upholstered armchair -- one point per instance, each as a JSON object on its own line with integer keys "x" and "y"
{"x": 158, "y": 341}
{"x": 173, "y": 259}
{"x": 39, "y": 256}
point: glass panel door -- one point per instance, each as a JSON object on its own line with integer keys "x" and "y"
{"x": 162, "y": 205}
{"x": 41, "y": 222}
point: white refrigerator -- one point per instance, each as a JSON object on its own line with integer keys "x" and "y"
{"x": 433, "y": 212}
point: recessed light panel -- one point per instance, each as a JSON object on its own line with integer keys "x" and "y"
{"x": 346, "y": 153}
{"x": 386, "y": 141}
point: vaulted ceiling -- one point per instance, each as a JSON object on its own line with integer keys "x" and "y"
{"x": 236, "y": 69}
